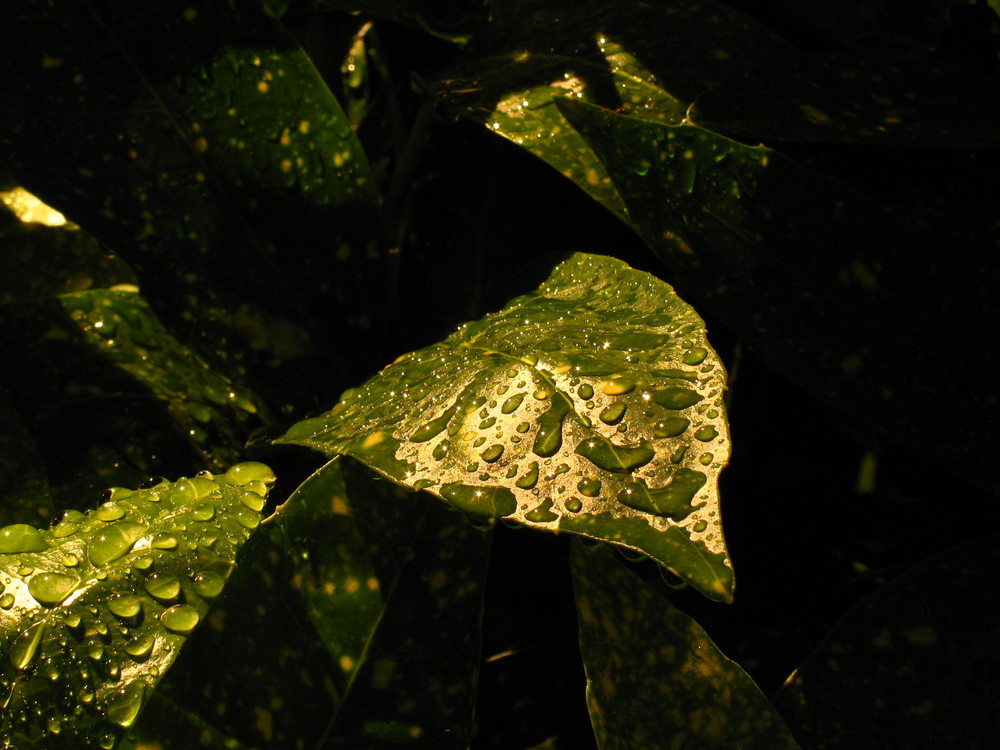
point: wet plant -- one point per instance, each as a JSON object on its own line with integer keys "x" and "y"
{"x": 362, "y": 394}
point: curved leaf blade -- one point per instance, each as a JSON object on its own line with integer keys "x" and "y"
{"x": 592, "y": 405}
{"x": 654, "y": 677}
{"x": 94, "y": 610}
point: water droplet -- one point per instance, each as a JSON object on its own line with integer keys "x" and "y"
{"x": 633, "y": 342}
{"x": 203, "y": 512}
{"x": 180, "y": 619}
{"x": 252, "y": 500}
{"x": 143, "y": 563}
{"x": 695, "y": 356}
{"x": 573, "y": 504}
{"x": 141, "y": 647}
{"x": 672, "y": 500}
{"x": 20, "y": 537}
{"x": 124, "y": 704}
{"x": 114, "y": 541}
{"x": 433, "y": 428}
{"x": 440, "y": 450}
{"x": 162, "y": 586}
{"x": 678, "y": 455}
{"x": 706, "y": 433}
{"x": 618, "y": 386}
{"x": 548, "y": 439}
{"x": 613, "y": 413}
{"x": 585, "y": 391}
{"x": 7, "y": 601}
{"x": 247, "y": 518}
{"x": 208, "y": 584}
{"x": 700, "y": 526}
{"x": 25, "y": 647}
{"x": 109, "y": 512}
{"x": 72, "y": 620}
{"x": 530, "y": 477}
{"x": 616, "y": 458}
{"x": 484, "y": 500}
{"x": 164, "y": 541}
{"x": 674, "y": 397}
{"x": 543, "y": 513}
{"x": 51, "y": 589}
{"x": 250, "y": 471}
{"x": 589, "y": 486}
{"x": 492, "y": 453}
{"x": 511, "y": 404}
{"x": 705, "y": 459}
{"x": 670, "y": 427}
{"x": 69, "y": 560}
{"x": 125, "y": 605}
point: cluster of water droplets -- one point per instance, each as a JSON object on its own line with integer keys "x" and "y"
{"x": 94, "y": 609}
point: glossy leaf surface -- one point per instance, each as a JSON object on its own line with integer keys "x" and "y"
{"x": 94, "y": 610}
{"x": 654, "y": 677}
{"x": 905, "y": 662}
{"x": 592, "y": 405}
{"x": 197, "y": 140}
{"x": 352, "y": 621}
{"x": 819, "y": 279}
{"x": 645, "y": 59}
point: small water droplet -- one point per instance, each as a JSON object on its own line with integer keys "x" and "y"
{"x": 433, "y": 428}
{"x": 164, "y": 540}
{"x": 25, "y": 647}
{"x": 674, "y": 397}
{"x": 695, "y": 356}
{"x": 20, "y": 537}
{"x": 180, "y": 619}
{"x": 162, "y": 586}
{"x": 706, "y": 433}
{"x": 203, "y": 512}
{"x": 69, "y": 560}
{"x": 7, "y": 601}
{"x": 125, "y": 703}
{"x": 51, "y": 589}
{"x": 542, "y": 513}
{"x": 492, "y": 453}
{"x": 114, "y": 541}
{"x": 585, "y": 391}
{"x": 141, "y": 647}
{"x": 511, "y": 404}
{"x": 109, "y": 512}
{"x": 252, "y": 500}
{"x": 125, "y": 605}
{"x": 589, "y": 487}
{"x": 613, "y": 413}
{"x": 208, "y": 584}
{"x": 530, "y": 477}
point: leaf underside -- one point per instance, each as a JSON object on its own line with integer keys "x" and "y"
{"x": 592, "y": 405}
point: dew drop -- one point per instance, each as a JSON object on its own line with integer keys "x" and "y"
{"x": 203, "y": 512}
{"x": 109, "y": 512}
{"x": 511, "y": 404}
{"x": 618, "y": 386}
{"x": 141, "y": 647}
{"x": 162, "y": 586}
{"x": 114, "y": 542}
{"x": 51, "y": 589}
{"x": 208, "y": 584}
{"x": 585, "y": 391}
{"x": 543, "y": 513}
{"x": 589, "y": 487}
{"x": 164, "y": 541}
{"x": 253, "y": 501}
{"x": 674, "y": 397}
{"x": 69, "y": 560}
{"x": 530, "y": 477}
{"x": 20, "y": 537}
{"x": 613, "y": 413}
{"x": 573, "y": 505}
{"x": 705, "y": 459}
{"x": 124, "y": 704}
{"x": 706, "y": 433}
{"x": 440, "y": 450}
{"x": 7, "y": 601}
{"x": 125, "y": 605}
{"x": 180, "y": 619}
{"x": 250, "y": 471}
{"x": 433, "y": 428}
{"x": 615, "y": 458}
{"x": 25, "y": 647}
{"x": 492, "y": 453}
{"x": 695, "y": 355}
{"x": 670, "y": 427}
{"x": 247, "y": 518}
{"x": 548, "y": 439}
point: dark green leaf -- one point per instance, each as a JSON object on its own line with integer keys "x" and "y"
{"x": 913, "y": 665}
{"x": 352, "y": 621}
{"x": 96, "y": 609}
{"x": 197, "y": 140}
{"x": 453, "y": 20}
{"x": 589, "y": 406}
{"x": 821, "y": 281}
{"x": 646, "y": 59}
{"x": 25, "y": 495}
{"x": 654, "y": 677}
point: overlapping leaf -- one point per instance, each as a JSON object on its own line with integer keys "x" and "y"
{"x": 654, "y": 677}
{"x": 110, "y": 397}
{"x": 353, "y": 620}
{"x": 592, "y": 405}
{"x": 94, "y": 610}
{"x": 820, "y": 280}
{"x": 905, "y": 663}
{"x": 197, "y": 140}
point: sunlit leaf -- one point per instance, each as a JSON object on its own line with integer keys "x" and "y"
{"x": 110, "y": 397}
{"x": 913, "y": 665}
{"x": 592, "y": 405}
{"x": 646, "y": 59}
{"x": 96, "y": 609}
{"x": 820, "y": 280}
{"x": 353, "y": 620}
{"x": 197, "y": 140}
{"x": 654, "y": 677}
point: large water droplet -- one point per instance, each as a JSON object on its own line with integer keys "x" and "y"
{"x": 125, "y": 605}
{"x": 530, "y": 477}
{"x": 618, "y": 386}
{"x": 484, "y": 501}
{"x": 114, "y": 541}
{"x": 250, "y": 471}
{"x": 252, "y": 500}
{"x": 203, "y": 512}
{"x": 162, "y": 586}
{"x": 180, "y": 619}
{"x": 589, "y": 486}
{"x": 670, "y": 427}
{"x": 585, "y": 391}
{"x": 613, "y": 413}
{"x": 51, "y": 589}
{"x": 674, "y": 397}
{"x": 164, "y": 540}
{"x": 492, "y": 453}
{"x": 548, "y": 439}
{"x": 543, "y": 513}
{"x": 20, "y": 537}
{"x": 25, "y": 647}
{"x": 208, "y": 584}
{"x": 511, "y": 404}
{"x": 124, "y": 704}
{"x": 435, "y": 427}
{"x": 706, "y": 433}
{"x": 616, "y": 458}
{"x": 141, "y": 647}
{"x": 109, "y": 512}
{"x": 695, "y": 356}
{"x": 672, "y": 500}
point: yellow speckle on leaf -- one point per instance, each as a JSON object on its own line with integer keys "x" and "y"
{"x": 346, "y": 663}
{"x": 262, "y": 87}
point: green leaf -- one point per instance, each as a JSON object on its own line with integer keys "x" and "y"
{"x": 904, "y": 663}
{"x": 654, "y": 677}
{"x": 197, "y": 140}
{"x": 813, "y": 274}
{"x": 110, "y": 397}
{"x": 352, "y": 620}
{"x": 592, "y": 405}
{"x": 96, "y": 609}
{"x": 646, "y": 59}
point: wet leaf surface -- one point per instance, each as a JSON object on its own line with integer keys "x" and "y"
{"x": 110, "y": 397}
{"x": 654, "y": 677}
{"x": 819, "y": 280}
{"x": 916, "y": 664}
{"x": 352, "y": 621}
{"x": 592, "y": 405}
{"x": 198, "y": 141}
{"x": 94, "y": 610}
